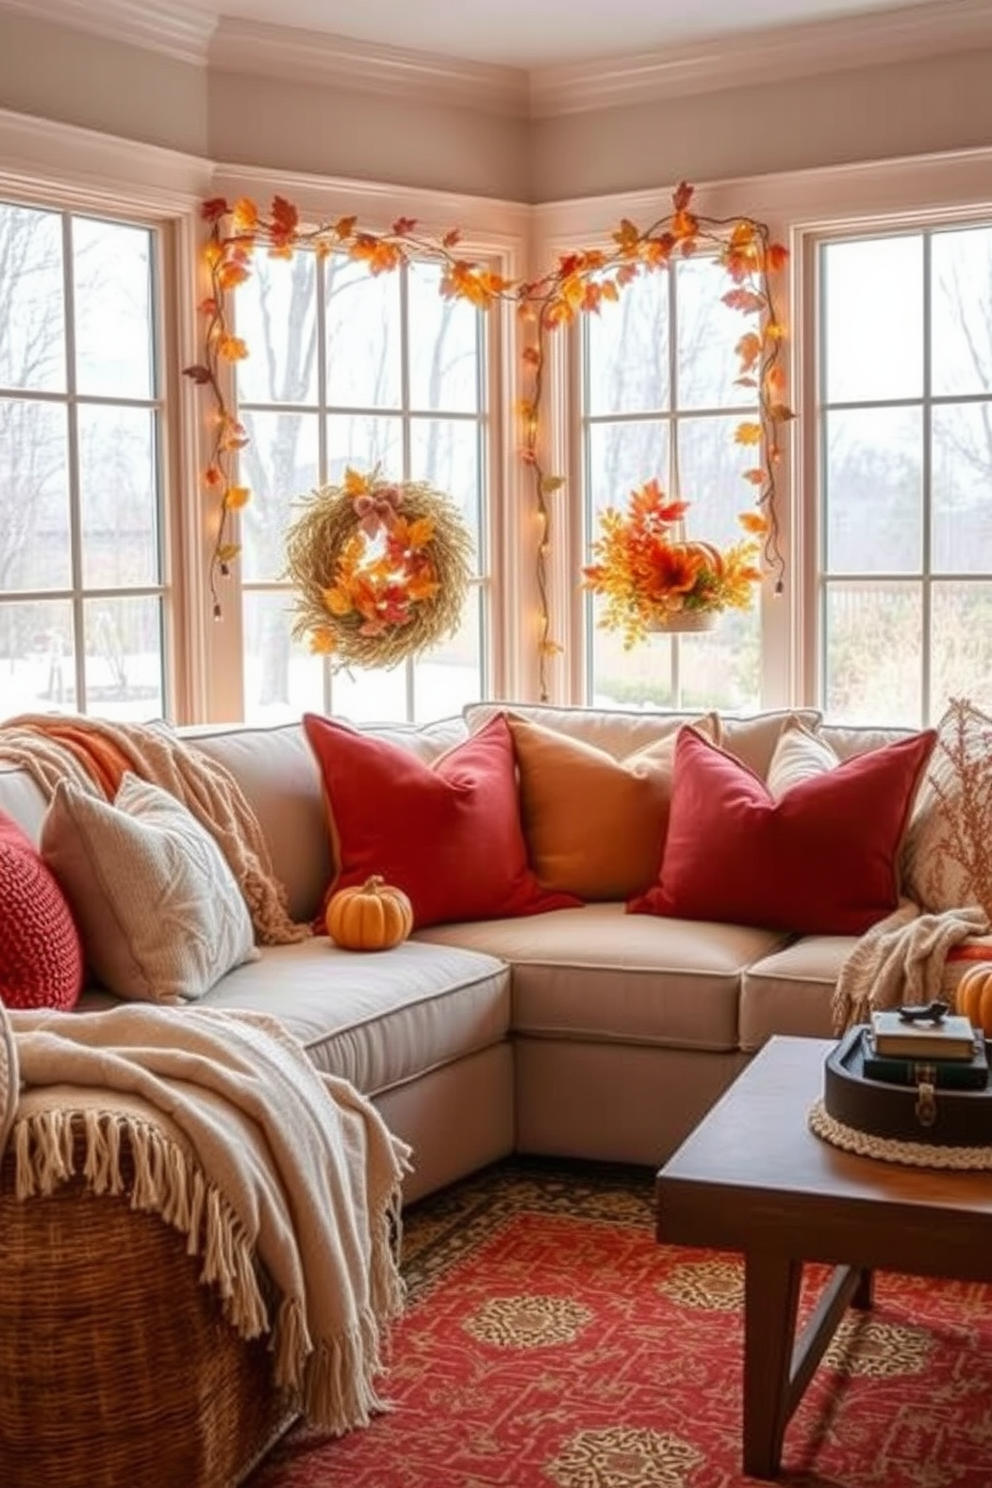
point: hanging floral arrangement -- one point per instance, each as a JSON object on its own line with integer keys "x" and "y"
{"x": 653, "y": 578}
{"x": 380, "y": 567}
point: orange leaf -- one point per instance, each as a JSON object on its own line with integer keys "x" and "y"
{"x": 744, "y": 299}
{"x": 755, "y": 475}
{"x": 777, "y": 256}
{"x": 235, "y": 497}
{"x": 753, "y": 521}
{"x": 627, "y": 236}
{"x": 355, "y": 484}
{"x": 344, "y": 227}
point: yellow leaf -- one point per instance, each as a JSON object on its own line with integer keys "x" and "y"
{"x": 355, "y": 483}
{"x": 244, "y": 215}
{"x": 551, "y": 483}
{"x": 322, "y": 642}
{"x": 227, "y": 552}
{"x": 747, "y": 433}
{"x": 235, "y": 497}
{"x": 336, "y": 601}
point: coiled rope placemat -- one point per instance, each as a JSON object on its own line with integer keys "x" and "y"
{"x": 888, "y": 1149}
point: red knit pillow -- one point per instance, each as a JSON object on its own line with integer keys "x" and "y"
{"x": 41, "y": 957}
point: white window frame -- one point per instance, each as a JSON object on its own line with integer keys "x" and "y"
{"x": 47, "y": 165}
{"x": 494, "y": 231}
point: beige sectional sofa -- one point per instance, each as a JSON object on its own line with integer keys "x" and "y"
{"x": 585, "y": 1032}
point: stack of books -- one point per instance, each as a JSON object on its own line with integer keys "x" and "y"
{"x": 949, "y": 1054}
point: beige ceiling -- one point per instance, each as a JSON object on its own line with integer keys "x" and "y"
{"x": 524, "y": 34}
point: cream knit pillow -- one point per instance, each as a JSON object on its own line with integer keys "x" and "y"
{"x": 160, "y": 913}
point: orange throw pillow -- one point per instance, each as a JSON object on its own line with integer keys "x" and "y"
{"x": 595, "y": 825}
{"x": 822, "y": 860}
{"x": 448, "y": 834}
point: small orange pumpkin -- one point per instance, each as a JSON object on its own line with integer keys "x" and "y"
{"x": 373, "y": 917}
{"x": 708, "y": 553}
{"x": 974, "y": 996}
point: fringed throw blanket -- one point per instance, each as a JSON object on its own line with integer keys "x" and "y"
{"x": 242, "y": 1145}
{"x": 95, "y": 753}
{"x": 902, "y": 959}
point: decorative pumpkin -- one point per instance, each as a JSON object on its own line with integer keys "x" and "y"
{"x": 710, "y": 555}
{"x": 371, "y": 918}
{"x": 974, "y": 996}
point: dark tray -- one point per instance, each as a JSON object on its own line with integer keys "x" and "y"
{"x": 961, "y": 1118}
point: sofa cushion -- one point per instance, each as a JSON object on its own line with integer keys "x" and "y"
{"x": 620, "y": 731}
{"x": 596, "y": 974}
{"x": 616, "y": 731}
{"x": 41, "y": 957}
{"x": 378, "y": 1020}
{"x": 594, "y": 825}
{"x": 791, "y": 990}
{"x": 947, "y": 861}
{"x": 160, "y": 912}
{"x": 448, "y": 834}
{"x": 822, "y": 860}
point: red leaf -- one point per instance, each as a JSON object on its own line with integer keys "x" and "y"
{"x": 198, "y": 374}
{"x": 403, "y": 226}
{"x": 214, "y": 209}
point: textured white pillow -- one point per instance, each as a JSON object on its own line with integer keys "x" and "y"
{"x": 799, "y": 755}
{"x": 160, "y": 912}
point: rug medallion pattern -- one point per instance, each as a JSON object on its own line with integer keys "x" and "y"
{"x": 551, "y": 1342}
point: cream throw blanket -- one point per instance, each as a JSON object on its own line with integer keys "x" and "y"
{"x": 901, "y": 959}
{"x": 243, "y": 1146}
{"x": 52, "y": 747}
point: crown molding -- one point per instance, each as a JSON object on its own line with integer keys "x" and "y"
{"x": 173, "y": 30}
{"x": 68, "y": 160}
{"x": 774, "y": 53}
{"x": 727, "y": 61}
{"x": 257, "y": 48}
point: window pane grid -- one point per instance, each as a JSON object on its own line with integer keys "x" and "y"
{"x": 905, "y": 467}
{"x": 659, "y": 401}
{"x": 383, "y": 394}
{"x": 82, "y": 578}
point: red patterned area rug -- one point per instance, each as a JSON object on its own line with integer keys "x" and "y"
{"x": 550, "y": 1342}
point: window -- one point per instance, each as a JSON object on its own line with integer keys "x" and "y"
{"x": 82, "y": 579}
{"x": 905, "y": 473}
{"x": 348, "y": 368}
{"x": 659, "y": 401}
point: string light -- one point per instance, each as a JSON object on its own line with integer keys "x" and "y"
{"x": 579, "y": 284}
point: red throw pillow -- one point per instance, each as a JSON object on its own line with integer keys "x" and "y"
{"x": 41, "y": 957}
{"x": 822, "y": 860}
{"x": 448, "y": 834}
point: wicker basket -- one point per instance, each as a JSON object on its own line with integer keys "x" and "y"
{"x": 117, "y": 1366}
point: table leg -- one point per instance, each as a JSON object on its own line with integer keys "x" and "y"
{"x": 771, "y": 1299}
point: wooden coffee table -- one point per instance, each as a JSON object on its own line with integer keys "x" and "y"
{"x": 753, "y": 1178}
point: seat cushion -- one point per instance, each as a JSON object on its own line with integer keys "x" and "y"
{"x": 377, "y": 1018}
{"x": 791, "y": 990}
{"x": 597, "y": 973}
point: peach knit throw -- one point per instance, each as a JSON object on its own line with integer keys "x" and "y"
{"x": 239, "y": 1143}
{"x": 94, "y": 753}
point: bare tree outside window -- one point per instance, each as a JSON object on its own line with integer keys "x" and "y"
{"x": 347, "y": 368}
{"x": 659, "y": 401}
{"x": 905, "y": 498}
{"x": 81, "y": 565}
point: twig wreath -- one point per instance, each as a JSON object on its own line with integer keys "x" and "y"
{"x": 580, "y": 283}
{"x": 381, "y": 569}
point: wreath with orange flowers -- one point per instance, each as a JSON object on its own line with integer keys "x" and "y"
{"x": 381, "y": 569}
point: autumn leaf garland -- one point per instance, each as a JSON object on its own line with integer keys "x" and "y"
{"x": 581, "y": 282}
